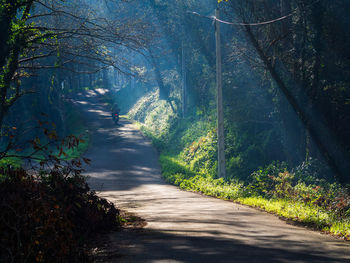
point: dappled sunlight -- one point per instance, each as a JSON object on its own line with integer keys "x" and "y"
{"x": 125, "y": 171}
{"x": 189, "y": 247}
{"x": 82, "y": 102}
{"x": 121, "y": 150}
{"x": 100, "y": 112}
{"x": 147, "y": 169}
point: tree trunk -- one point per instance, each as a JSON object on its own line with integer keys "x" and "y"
{"x": 327, "y": 149}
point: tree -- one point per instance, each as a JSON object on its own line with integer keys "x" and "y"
{"x": 294, "y": 53}
{"x": 64, "y": 32}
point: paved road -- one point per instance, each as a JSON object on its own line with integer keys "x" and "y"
{"x": 183, "y": 226}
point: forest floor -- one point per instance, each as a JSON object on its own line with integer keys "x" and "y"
{"x": 179, "y": 226}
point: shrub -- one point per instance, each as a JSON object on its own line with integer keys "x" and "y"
{"x": 263, "y": 181}
{"x": 341, "y": 205}
{"x": 283, "y": 185}
{"x": 48, "y": 218}
{"x": 201, "y": 155}
{"x": 313, "y": 171}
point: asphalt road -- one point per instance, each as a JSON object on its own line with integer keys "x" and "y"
{"x": 183, "y": 226}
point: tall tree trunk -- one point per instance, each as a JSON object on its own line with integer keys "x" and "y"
{"x": 327, "y": 149}
{"x": 163, "y": 90}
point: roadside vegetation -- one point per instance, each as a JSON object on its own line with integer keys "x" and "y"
{"x": 305, "y": 194}
{"x": 18, "y": 143}
{"x": 48, "y": 212}
{"x": 285, "y": 101}
{"x": 49, "y": 216}
{"x": 76, "y": 126}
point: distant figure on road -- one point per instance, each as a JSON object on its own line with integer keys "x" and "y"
{"x": 115, "y": 113}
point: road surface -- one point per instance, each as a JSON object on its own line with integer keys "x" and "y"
{"x": 184, "y": 226}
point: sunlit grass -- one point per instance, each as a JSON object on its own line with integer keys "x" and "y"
{"x": 177, "y": 172}
{"x": 340, "y": 228}
{"x": 185, "y": 162}
{"x": 291, "y": 209}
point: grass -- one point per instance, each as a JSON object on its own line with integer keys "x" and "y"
{"x": 11, "y": 161}
{"x": 190, "y": 166}
{"x": 178, "y": 173}
{"x": 297, "y": 211}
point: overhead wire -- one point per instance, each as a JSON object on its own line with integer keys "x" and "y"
{"x": 214, "y": 18}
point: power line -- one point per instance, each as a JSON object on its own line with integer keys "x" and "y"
{"x": 214, "y": 18}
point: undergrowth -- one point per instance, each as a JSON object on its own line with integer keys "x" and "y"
{"x": 77, "y": 127}
{"x": 47, "y": 211}
{"x": 325, "y": 209}
{"x": 188, "y": 160}
{"x": 13, "y": 150}
{"x": 49, "y": 216}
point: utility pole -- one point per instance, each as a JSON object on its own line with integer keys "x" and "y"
{"x": 183, "y": 64}
{"x": 220, "y": 112}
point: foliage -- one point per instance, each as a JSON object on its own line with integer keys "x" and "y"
{"x": 14, "y": 162}
{"x": 296, "y": 211}
{"x": 264, "y": 180}
{"x": 313, "y": 171}
{"x": 48, "y": 217}
{"x": 76, "y": 126}
{"x": 188, "y": 160}
{"x": 174, "y": 170}
{"x": 201, "y": 155}
{"x": 47, "y": 144}
{"x": 48, "y": 211}
{"x": 305, "y": 55}
{"x": 326, "y": 209}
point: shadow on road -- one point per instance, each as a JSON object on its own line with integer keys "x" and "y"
{"x": 182, "y": 226}
{"x": 158, "y": 246}
{"x": 121, "y": 157}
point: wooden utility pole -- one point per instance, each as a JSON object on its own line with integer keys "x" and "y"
{"x": 220, "y": 112}
{"x": 183, "y": 64}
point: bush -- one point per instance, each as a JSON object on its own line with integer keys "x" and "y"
{"x": 49, "y": 218}
{"x": 313, "y": 171}
{"x": 263, "y": 181}
{"x": 201, "y": 155}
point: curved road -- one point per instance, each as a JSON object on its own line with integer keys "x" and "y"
{"x": 183, "y": 226}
